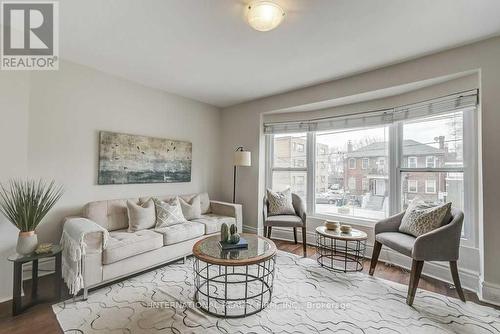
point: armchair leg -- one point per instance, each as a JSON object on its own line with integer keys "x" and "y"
{"x": 456, "y": 280}
{"x": 295, "y": 234}
{"x": 416, "y": 270}
{"x": 269, "y": 228}
{"x": 265, "y": 231}
{"x": 304, "y": 243}
{"x": 376, "y": 252}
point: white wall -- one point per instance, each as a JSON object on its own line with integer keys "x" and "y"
{"x": 242, "y": 124}
{"x": 14, "y": 104}
{"x": 59, "y": 139}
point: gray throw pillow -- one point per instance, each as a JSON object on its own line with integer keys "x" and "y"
{"x": 140, "y": 217}
{"x": 280, "y": 202}
{"x": 421, "y": 218}
{"x": 191, "y": 209}
{"x": 168, "y": 213}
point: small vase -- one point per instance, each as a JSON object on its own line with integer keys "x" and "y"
{"x": 26, "y": 243}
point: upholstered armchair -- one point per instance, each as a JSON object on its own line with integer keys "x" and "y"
{"x": 295, "y": 221}
{"x": 441, "y": 244}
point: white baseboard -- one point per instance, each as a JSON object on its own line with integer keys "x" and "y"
{"x": 438, "y": 270}
{"x": 489, "y": 293}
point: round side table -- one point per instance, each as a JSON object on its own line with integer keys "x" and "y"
{"x": 344, "y": 252}
{"x": 233, "y": 283}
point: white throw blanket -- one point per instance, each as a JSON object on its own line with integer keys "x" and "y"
{"x": 74, "y": 247}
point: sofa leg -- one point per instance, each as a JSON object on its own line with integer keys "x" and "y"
{"x": 295, "y": 234}
{"x": 304, "y": 242}
{"x": 416, "y": 270}
{"x": 265, "y": 231}
{"x": 269, "y": 228}
{"x": 85, "y": 293}
{"x": 456, "y": 280}
{"x": 376, "y": 252}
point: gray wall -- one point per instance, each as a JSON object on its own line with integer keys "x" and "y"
{"x": 242, "y": 124}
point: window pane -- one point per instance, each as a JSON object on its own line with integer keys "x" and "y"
{"x": 433, "y": 187}
{"x": 433, "y": 142}
{"x": 289, "y": 151}
{"x": 352, "y": 176}
{"x": 297, "y": 181}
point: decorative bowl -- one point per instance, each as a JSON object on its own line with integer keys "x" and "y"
{"x": 345, "y": 228}
{"x": 331, "y": 225}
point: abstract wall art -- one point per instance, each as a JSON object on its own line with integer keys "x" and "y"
{"x": 125, "y": 158}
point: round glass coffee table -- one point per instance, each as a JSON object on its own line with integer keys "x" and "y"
{"x": 233, "y": 283}
{"x": 339, "y": 251}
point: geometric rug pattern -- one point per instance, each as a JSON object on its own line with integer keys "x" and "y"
{"x": 306, "y": 299}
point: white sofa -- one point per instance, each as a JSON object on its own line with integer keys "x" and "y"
{"x": 128, "y": 253}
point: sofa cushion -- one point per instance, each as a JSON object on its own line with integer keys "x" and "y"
{"x": 284, "y": 221}
{"x": 214, "y": 222}
{"x": 168, "y": 213}
{"x": 123, "y": 244}
{"x": 141, "y": 217}
{"x": 400, "y": 242}
{"x": 181, "y": 232}
{"x": 112, "y": 214}
{"x": 191, "y": 209}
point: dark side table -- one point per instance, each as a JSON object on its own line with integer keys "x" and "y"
{"x": 19, "y": 260}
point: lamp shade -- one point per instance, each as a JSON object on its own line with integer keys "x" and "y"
{"x": 242, "y": 158}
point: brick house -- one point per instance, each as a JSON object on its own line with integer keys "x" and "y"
{"x": 367, "y": 176}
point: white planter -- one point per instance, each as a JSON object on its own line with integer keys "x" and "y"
{"x": 26, "y": 243}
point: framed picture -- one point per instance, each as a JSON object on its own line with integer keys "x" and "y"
{"x": 125, "y": 159}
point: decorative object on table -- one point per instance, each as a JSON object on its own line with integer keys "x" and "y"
{"x": 18, "y": 261}
{"x": 340, "y": 251}
{"x": 250, "y": 270}
{"x": 295, "y": 220}
{"x": 241, "y": 158}
{"x": 126, "y": 158}
{"x": 345, "y": 229}
{"x": 224, "y": 233}
{"x": 332, "y": 225}
{"x": 25, "y": 204}
{"x": 232, "y": 240}
{"x": 44, "y": 248}
{"x": 440, "y": 244}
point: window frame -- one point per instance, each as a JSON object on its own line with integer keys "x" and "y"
{"x": 411, "y": 158}
{"x": 416, "y": 186}
{"x": 433, "y": 161}
{"x": 367, "y": 160}
{"x": 349, "y": 163}
{"x": 394, "y": 164}
{"x": 427, "y": 182}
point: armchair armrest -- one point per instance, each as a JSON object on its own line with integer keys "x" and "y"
{"x": 230, "y": 210}
{"x": 441, "y": 244}
{"x": 390, "y": 224}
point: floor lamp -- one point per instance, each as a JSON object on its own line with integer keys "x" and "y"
{"x": 241, "y": 158}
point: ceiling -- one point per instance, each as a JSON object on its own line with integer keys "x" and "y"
{"x": 204, "y": 50}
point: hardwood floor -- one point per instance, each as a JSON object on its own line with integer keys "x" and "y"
{"x": 41, "y": 320}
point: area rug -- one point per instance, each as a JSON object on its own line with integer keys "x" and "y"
{"x": 306, "y": 299}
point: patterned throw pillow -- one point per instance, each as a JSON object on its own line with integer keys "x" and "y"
{"x": 140, "y": 217}
{"x": 168, "y": 213}
{"x": 421, "y": 218}
{"x": 191, "y": 209}
{"x": 280, "y": 202}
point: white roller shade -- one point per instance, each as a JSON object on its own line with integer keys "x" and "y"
{"x": 446, "y": 104}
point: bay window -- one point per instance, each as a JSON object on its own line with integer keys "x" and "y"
{"x": 370, "y": 166}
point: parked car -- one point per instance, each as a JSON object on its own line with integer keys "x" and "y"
{"x": 336, "y": 197}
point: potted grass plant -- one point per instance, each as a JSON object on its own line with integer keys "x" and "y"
{"x": 24, "y": 203}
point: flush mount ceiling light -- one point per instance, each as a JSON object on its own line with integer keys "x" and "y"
{"x": 265, "y": 15}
